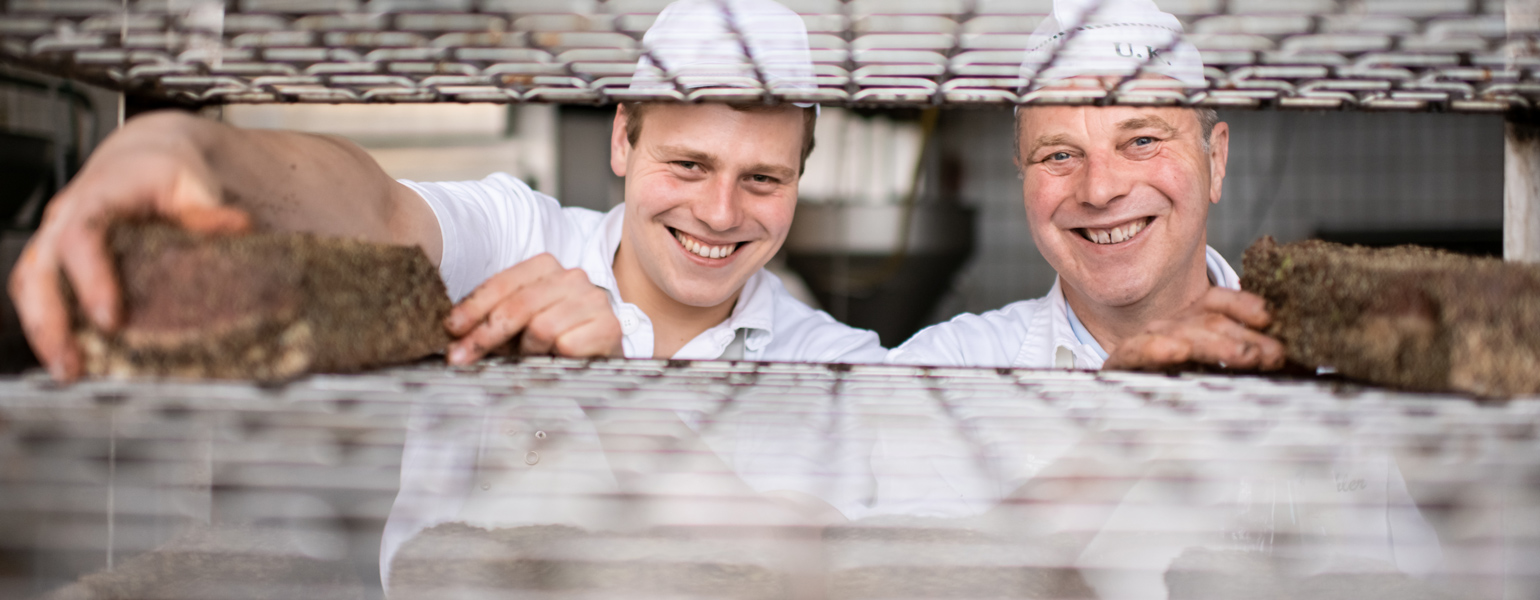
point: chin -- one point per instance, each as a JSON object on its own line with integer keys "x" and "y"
{"x": 703, "y": 296}
{"x": 1116, "y": 296}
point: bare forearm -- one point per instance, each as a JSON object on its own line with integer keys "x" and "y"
{"x": 290, "y": 181}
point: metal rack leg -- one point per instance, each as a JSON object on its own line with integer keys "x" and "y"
{"x": 1521, "y": 190}
{"x": 1521, "y": 186}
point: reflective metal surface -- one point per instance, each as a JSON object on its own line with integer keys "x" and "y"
{"x": 559, "y": 478}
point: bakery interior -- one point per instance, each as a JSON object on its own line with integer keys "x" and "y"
{"x": 1369, "y": 122}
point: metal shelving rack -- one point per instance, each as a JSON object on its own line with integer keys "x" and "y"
{"x": 1451, "y": 55}
{"x": 112, "y": 485}
{"x": 958, "y": 483}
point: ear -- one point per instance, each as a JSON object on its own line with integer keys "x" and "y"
{"x": 1218, "y": 155}
{"x": 620, "y": 147}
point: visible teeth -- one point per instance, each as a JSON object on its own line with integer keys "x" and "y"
{"x": 1115, "y": 235}
{"x": 703, "y": 250}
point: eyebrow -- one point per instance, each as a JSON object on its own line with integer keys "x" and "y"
{"x": 1134, "y": 124}
{"x": 1146, "y": 122}
{"x": 683, "y": 153}
{"x": 777, "y": 171}
{"x": 1048, "y": 140}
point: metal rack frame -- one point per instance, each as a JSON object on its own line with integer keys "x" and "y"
{"x": 1443, "y": 55}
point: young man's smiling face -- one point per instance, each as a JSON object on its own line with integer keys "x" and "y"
{"x": 1117, "y": 197}
{"x": 710, "y": 192}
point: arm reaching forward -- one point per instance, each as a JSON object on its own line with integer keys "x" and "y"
{"x": 208, "y": 177}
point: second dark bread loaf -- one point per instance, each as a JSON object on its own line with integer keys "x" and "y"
{"x": 1408, "y": 317}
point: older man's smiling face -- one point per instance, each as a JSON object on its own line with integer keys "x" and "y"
{"x": 1117, "y": 197}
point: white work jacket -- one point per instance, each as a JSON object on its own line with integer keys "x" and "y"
{"x": 1032, "y": 334}
{"x": 497, "y": 222}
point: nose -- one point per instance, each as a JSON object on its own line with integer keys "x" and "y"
{"x": 720, "y": 207}
{"x": 1105, "y": 181}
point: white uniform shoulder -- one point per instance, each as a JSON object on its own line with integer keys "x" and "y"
{"x": 496, "y": 222}
{"x": 989, "y": 339}
{"x": 806, "y": 334}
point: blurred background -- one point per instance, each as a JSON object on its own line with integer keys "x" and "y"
{"x": 906, "y": 217}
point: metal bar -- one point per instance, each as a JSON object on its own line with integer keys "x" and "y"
{"x": 1521, "y": 156}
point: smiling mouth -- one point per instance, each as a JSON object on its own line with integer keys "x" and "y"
{"x": 696, "y": 247}
{"x": 1115, "y": 235}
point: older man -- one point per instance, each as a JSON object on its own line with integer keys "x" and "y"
{"x": 674, "y": 272}
{"x": 1117, "y": 201}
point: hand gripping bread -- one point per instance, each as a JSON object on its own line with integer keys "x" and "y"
{"x": 266, "y": 306}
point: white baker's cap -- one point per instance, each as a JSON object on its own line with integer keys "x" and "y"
{"x": 702, "y": 43}
{"x": 1111, "y": 37}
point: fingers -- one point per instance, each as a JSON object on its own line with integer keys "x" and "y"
{"x": 473, "y": 310}
{"x": 34, "y": 289}
{"x": 216, "y": 219}
{"x": 1210, "y": 338}
{"x": 558, "y": 313}
{"x": 504, "y": 321}
{"x": 1244, "y": 307}
{"x": 584, "y": 326}
{"x": 1149, "y": 351}
{"x": 88, "y": 266}
{"x": 192, "y": 205}
{"x": 1222, "y": 341}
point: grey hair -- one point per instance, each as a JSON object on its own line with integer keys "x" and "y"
{"x": 1207, "y": 119}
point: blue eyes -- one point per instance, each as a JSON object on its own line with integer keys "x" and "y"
{"x": 690, "y": 165}
{"x": 1138, "y": 142}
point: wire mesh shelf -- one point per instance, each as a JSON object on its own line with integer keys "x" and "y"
{"x": 566, "y": 478}
{"x": 1405, "y": 55}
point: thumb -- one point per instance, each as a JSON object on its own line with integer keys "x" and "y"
{"x": 217, "y": 219}
{"x": 194, "y": 206}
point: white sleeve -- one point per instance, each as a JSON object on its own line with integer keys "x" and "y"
{"x": 490, "y": 225}
{"x": 968, "y": 340}
{"x": 936, "y": 346}
{"x": 860, "y": 347}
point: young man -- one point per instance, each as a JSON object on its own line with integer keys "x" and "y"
{"x": 1117, "y": 201}
{"x": 674, "y": 272}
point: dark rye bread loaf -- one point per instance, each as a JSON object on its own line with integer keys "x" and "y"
{"x": 1406, "y": 317}
{"x": 267, "y": 306}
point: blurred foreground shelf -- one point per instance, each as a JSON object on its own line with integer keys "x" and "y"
{"x": 565, "y": 478}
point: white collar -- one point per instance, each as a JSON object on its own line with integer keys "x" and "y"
{"x": 754, "y": 311}
{"x": 1062, "y": 343}
{"x": 1062, "y": 350}
{"x": 599, "y": 253}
